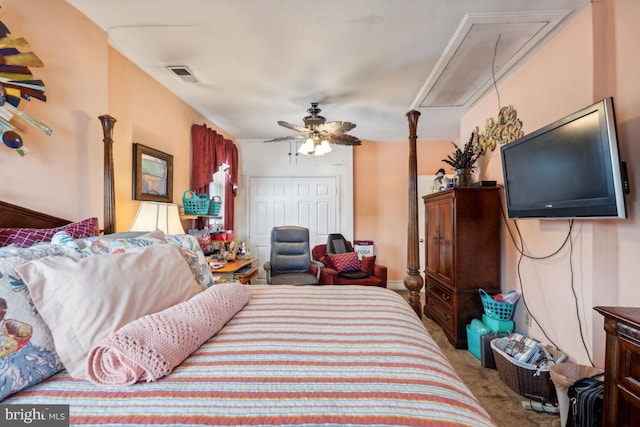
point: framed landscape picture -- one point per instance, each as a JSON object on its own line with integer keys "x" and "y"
{"x": 152, "y": 174}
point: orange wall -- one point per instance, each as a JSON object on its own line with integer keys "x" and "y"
{"x": 147, "y": 114}
{"x": 381, "y": 180}
{"x": 85, "y": 78}
{"x": 593, "y": 57}
{"x": 58, "y": 175}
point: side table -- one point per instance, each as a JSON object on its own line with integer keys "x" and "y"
{"x": 622, "y": 367}
{"x": 241, "y": 270}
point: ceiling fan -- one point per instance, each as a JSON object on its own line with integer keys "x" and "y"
{"x": 319, "y": 133}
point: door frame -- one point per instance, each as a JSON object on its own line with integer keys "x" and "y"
{"x": 258, "y": 159}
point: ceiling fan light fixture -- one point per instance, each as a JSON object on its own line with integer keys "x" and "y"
{"x": 323, "y": 148}
{"x": 307, "y": 147}
{"x": 319, "y": 133}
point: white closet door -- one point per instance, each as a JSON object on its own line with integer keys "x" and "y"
{"x": 310, "y": 202}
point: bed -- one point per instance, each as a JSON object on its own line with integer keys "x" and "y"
{"x": 293, "y": 355}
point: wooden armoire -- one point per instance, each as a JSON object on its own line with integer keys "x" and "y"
{"x": 462, "y": 254}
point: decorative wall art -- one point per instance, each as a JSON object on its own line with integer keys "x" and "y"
{"x": 507, "y": 128}
{"x": 16, "y": 83}
{"x": 152, "y": 174}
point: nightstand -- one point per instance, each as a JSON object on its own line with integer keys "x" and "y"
{"x": 622, "y": 366}
{"x": 241, "y": 270}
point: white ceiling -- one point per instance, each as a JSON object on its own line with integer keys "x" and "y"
{"x": 366, "y": 61}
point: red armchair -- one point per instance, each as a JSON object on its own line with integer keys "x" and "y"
{"x": 330, "y": 276}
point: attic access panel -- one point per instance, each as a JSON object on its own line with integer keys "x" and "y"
{"x": 463, "y": 72}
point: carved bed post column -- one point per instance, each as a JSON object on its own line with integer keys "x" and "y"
{"x": 109, "y": 190}
{"x": 413, "y": 281}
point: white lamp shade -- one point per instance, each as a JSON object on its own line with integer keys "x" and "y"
{"x": 307, "y": 147}
{"x": 154, "y": 216}
{"x": 323, "y": 148}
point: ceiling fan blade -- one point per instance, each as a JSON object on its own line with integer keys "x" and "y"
{"x": 344, "y": 140}
{"x": 316, "y": 128}
{"x": 286, "y": 138}
{"x": 336, "y": 128}
{"x": 294, "y": 127}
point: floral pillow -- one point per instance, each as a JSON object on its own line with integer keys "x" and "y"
{"x": 347, "y": 261}
{"x": 27, "y": 352}
{"x": 189, "y": 248}
{"x": 26, "y": 237}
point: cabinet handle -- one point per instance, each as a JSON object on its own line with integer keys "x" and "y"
{"x": 445, "y": 296}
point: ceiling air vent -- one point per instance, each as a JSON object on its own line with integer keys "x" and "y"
{"x": 183, "y": 72}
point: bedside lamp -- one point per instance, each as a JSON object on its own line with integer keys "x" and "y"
{"x": 154, "y": 216}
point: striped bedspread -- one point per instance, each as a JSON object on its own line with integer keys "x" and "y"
{"x": 295, "y": 355}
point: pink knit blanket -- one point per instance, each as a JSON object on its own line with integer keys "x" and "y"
{"x": 150, "y": 347}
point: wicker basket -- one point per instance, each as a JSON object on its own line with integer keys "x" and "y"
{"x": 496, "y": 309}
{"x": 524, "y": 378}
{"x": 214, "y": 206}
{"x": 195, "y": 204}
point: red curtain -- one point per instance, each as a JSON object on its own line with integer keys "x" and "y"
{"x": 209, "y": 151}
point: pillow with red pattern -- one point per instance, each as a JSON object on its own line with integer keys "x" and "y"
{"x": 367, "y": 264}
{"x": 327, "y": 262}
{"x": 27, "y": 237}
{"x": 347, "y": 261}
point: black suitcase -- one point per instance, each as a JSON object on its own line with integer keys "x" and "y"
{"x": 586, "y": 397}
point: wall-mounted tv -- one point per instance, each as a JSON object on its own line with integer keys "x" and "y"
{"x": 567, "y": 169}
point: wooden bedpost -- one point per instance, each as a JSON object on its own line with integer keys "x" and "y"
{"x": 413, "y": 281}
{"x": 109, "y": 190}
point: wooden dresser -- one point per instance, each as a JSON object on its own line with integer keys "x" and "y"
{"x": 622, "y": 366}
{"x": 462, "y": 251}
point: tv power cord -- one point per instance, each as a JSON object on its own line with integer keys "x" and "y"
{"x": 546, "y": 408}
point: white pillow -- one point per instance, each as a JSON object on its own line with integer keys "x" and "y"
{"x": 82, "y": 301}
{"x": 188, "y": 245}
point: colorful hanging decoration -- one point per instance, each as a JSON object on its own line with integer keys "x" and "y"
{"x": 17, "y": 83}
{"x": 507, "y": 128}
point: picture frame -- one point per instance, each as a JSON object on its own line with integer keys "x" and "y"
{"x": 152, "y": 174}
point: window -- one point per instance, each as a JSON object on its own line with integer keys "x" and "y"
{"x": 216, "y": 189}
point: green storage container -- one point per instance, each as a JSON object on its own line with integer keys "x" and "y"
{"x": 473, "y": 342}
{"x": 498, "y": 325}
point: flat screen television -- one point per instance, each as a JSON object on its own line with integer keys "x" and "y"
{"x": 567, "y": 169}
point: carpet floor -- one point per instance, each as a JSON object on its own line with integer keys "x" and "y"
{"x": 502, "y": 403}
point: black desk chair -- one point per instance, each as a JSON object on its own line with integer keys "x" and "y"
{"x": 290, "y": 262}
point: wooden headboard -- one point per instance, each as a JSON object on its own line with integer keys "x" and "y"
{"x": 19, "y": 217}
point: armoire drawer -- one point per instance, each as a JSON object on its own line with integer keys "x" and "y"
{"x": 440, "y": 310}
{"x": 439, "y": 292}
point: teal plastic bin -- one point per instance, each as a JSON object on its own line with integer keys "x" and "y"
{"x": 475, "y": 330}
{"x": 473, "y": 342}
{"x": 496, "y": 325}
